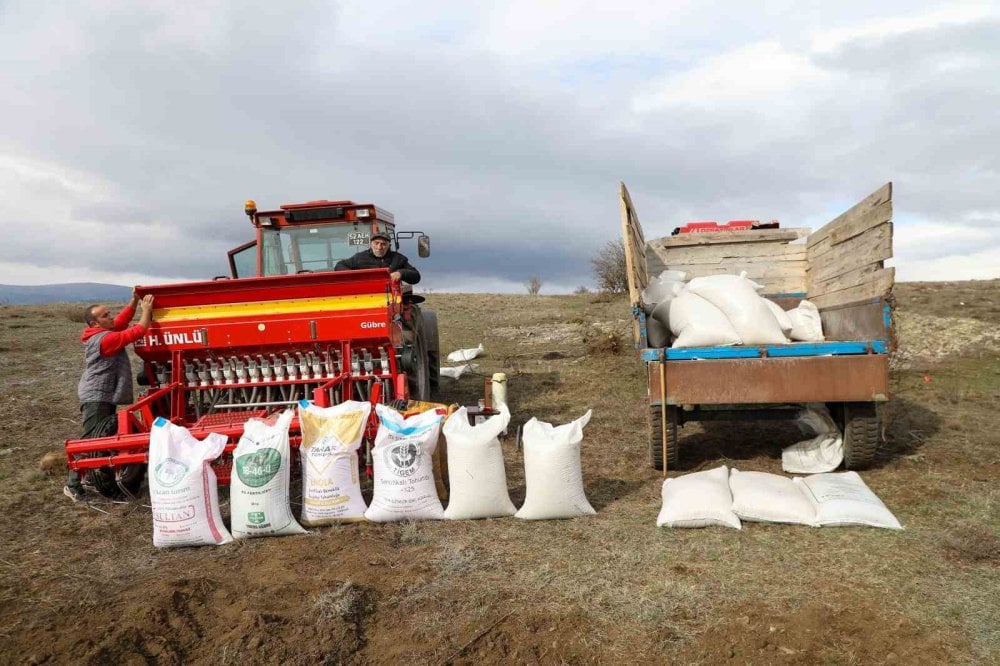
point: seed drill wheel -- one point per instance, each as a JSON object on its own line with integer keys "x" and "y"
{"x": 656, "y": 437}
{"x": 862, "y": 423}
{"x": 433, "y": 348}
{"x": 127, "y": 481}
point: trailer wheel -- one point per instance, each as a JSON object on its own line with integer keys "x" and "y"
{"x": 105, "y": 480}
{"x": 862, "y": 429}
{"x": 655, "y": 437}
{"x": 433, "y": 348}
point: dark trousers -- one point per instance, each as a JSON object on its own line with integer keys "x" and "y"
{"x": 94, "y": 414}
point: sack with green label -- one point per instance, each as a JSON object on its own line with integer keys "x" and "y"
{"x": 258, "y": 489}
{"x": 331, "y": 437}
{"x": 183, "y": 490}
{"x": 404, "y": 467}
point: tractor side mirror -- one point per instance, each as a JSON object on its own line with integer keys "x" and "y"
{"x": 424, "y": 245}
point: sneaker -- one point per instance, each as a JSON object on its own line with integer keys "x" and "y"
{"x": 75, "y": 493}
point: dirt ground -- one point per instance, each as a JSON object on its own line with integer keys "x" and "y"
{"x": 83, "y": 583}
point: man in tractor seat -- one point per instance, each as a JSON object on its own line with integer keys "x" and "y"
{"x": 378, "y": 255}
{"x": 107, "y": 375}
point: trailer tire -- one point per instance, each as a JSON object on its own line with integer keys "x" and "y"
{"x": 862, "y": 429}
{"x": 433, "y": 348}
{"x": 105, "y": 480}
{"x": 656, "y": 441}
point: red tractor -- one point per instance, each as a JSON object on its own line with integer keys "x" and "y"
{"x": 282, "y": 328}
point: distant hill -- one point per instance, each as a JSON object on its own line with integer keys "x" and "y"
{"x": 74, "y": 292}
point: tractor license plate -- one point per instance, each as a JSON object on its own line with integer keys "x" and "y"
{"x": 357, "y": 238}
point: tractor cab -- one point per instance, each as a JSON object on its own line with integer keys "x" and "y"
{"x": 313, "y": 237}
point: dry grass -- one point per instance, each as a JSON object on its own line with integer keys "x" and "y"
{"x": 611, "y": 587}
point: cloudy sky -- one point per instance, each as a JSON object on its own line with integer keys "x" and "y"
{"x": 134, "y": 130}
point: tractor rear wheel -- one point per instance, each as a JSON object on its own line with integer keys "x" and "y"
{"x": 862, "y": 425}
{"x": 433, "y": 348}
{"x": 418, "y": 379}
{"x": 656, "y": 434}
{"x": 127, "y": 481}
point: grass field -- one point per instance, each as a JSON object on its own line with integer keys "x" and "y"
{"x": 84, "y": 583}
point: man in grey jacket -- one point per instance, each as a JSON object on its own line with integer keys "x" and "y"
{"x": 107, "y": 376}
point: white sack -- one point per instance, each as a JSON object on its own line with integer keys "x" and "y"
{"x": 465, "y": 354}
{"x": 657, "y": 335}
{"x": 698, "y": 499}
{"x": 552, "y": 473}
{"x": 475, "y": 467}
{"x": 458, "y": 370}
{"x": 697, "y": 323}
{"x": 259, "y": 487}
{"x": 661, "y": 290}
{"x": 822, "y": 453}
{"x": 843, "y": 499}
{"x": 738, "y": 299}
{"x": 806, "y": 323}
{"x": 769, "y": 498}
{"x": 783, "y": 319}
{"x": 404, "y": 467}
{"x": 331, "y": 485}
{"x": 183, "y": 490}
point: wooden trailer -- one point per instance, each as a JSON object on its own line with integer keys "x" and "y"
{"x": 840, "y": 268}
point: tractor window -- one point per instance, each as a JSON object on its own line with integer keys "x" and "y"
{"x": 308, "y": 248}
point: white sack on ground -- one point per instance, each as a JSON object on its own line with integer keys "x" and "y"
{"x": 475, "y": 467}
{"x": 458, "y": 370}
{"x": 806, "y": 323}
{"x": 259, "y": 487}
{"x": 698, "y": 499}
{"x": 697, "y": 323}
{"x": 843, "y": 499}
{"x": 404, "y": 467}
{"x": 465, "y": 354}
{"x": 822, "y": 453}
{"x": 738, "y": 299}
{"x": 783, "y": 319}
{"x": 331, "y": 485}
{"x": 552, "y": 471}
{"x": 183, "y": 490}
{"x": 769, "y": 498}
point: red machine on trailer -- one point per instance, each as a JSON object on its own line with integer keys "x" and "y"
{"x": 282, "y": 328}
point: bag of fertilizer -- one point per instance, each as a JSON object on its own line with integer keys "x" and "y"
{"x": 783, "y": 319}
{"x": 769, "y": 498}
{"x": 822, "y": 453}
{"x": 738, "y": 299}
{"x": 404, "y": 467}
{"x": 698, "y": 499}
{"x": 475, "y": 467}
{"x": 331, "y": 438}
{"x": 552, "y": 473}
{"x": 807, "y": 325}
{"x": 843, "y": 499}
{"x": 258, "y": 489}
{"x": 183, "y": 490}
{"x": 697, "y": 323}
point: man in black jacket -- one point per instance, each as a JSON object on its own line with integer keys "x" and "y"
{"x": 380, "y": 256}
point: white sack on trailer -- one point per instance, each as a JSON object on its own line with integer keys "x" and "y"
{"x": 183, "y": 489}
{"x": 697, "y": 323}
{"x": 807, "y": 326}
{"x": 738, "y": 299}
{"x": 783, "y": 319}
